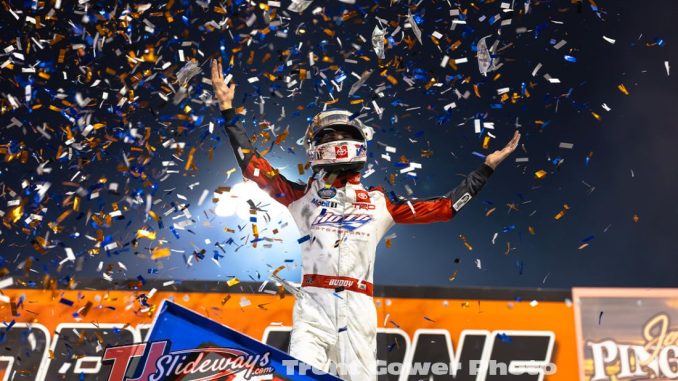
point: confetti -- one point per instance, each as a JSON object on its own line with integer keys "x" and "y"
{"x": 188, "y": 71}
{"x": 142, "y": 233}
{"x": 486, "y": 62}
{"x": 160, "y": 252}
{"x": 413, "y": 25}
{"x": 463, "y": 239}
{"x": 453, "y": 276}
{"x": 622, "y": 88}
{"x": 560, "y": 214}
{"x": 377, "y": 44}
{"x": 299, "y": 6}
{"x": 118, "y": 107}
{"x": 6, "y": 282}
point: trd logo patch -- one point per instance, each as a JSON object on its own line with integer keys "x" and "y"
{"x": 341, "y": 152}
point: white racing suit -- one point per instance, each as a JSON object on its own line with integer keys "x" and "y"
{"x": 335, "y": 320}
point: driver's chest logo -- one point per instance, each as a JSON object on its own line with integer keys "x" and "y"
{"x": 349, "y": 222}
{"x": 327, "y": 193}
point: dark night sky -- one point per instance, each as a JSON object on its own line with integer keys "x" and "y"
{"x": 631, "y": 149}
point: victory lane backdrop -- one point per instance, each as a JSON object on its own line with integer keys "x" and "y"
{"x": 114, "y": 151}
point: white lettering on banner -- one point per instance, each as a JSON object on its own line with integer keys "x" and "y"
{"x": 535, "y": 357}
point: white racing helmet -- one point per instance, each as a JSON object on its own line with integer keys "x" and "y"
{"x": 348, "y": 154}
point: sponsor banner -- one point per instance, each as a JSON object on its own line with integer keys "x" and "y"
{"x": 627, "y": 334}
{"x": 64, "y": 333}
{"x": 184, "y": 345}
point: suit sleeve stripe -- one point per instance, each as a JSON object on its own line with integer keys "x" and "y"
{"x": 270, "y": 180}
{"x": 436, "y": 209}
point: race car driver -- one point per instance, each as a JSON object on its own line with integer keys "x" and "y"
{"x": 334, "y": 317}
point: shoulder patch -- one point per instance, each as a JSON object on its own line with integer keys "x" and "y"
{"x": 462, "y": 201}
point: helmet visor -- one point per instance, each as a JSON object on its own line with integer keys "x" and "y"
{"x": 337, "y": 132}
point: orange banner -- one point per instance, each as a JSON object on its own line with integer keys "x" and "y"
{"x": 410, "y": 328}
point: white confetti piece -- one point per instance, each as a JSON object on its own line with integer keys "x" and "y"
{"x": 244, "y": 302}
{"x": 70, "y": 256}
{"x": 608, "y": 39}
{"x": 299, "y": 6}
{"x": 4, "y": 283}
{"x": 378, "y": 42}
{"x": 445, "y": 60}
{"x": 413, "y": 25}
{"x": 536, "y": 69}
{"x": 203, "y": 196}
{"x": 560, "y": 44}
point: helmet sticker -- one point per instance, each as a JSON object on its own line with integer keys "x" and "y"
{"x": 341, "y": 152}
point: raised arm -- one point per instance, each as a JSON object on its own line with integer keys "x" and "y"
{"x": 253, "y": 165}
{"x": 437, "y": 209}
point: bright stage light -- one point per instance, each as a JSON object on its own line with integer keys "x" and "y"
{"x": 235, "y": 202}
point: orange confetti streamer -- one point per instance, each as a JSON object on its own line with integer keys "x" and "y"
{"x": 189, "y": 162}
{"x": 160, "y": 252}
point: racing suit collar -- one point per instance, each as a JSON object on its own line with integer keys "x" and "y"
{"x": 346, "y": 177}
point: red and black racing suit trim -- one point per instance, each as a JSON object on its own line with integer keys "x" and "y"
{"x": 436, "y": 209}
{"x": 254, "y": 167}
